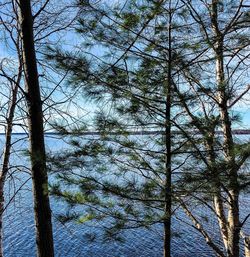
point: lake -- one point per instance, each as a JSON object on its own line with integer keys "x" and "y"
{"x": 70, "y": 240}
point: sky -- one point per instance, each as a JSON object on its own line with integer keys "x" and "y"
{"x": 71, "y": 39}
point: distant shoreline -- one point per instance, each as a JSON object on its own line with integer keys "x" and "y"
{"x": 93, "y": 133}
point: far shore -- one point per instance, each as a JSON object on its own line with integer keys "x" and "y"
{"x": 142, "y": 132}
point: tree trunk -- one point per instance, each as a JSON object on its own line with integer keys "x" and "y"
{"x": 247, "y": 246}
{"x": 6, "y": 154}
{"x": 168, "y": 156}
{"x": 233, "y": 201}
{"x": 219, "y": 209}
{"x": 1, "y": 215}
{"x": 233, "y": 198}
{"x": 44, "y": 237}
{"x": 168, "y": 180}
{"x": 217, "y": 198}
{"x": 199, "y": 227}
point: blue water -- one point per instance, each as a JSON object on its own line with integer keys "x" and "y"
{"x": 71, "y": 240}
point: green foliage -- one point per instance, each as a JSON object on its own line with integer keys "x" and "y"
{"x": 120, "y": 177}
{"x": 130, "y": 20}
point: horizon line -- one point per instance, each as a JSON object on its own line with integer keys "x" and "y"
{"x": 144, "y": 132}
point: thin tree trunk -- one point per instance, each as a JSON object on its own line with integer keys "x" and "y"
{"x": 6, "y": 154}
{"x": 217, "y": 198}
{"x": 1, "y": 214}
{"x": 199, "y": 227}
{"x": 44, "y": 237}
{"x": 168, "y": 157}
{"x": 233, "y": 201}
{"x": 219, "y": 209}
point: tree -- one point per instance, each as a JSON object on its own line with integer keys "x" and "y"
{"x": 13, "y": 81}
{"x": 49, "y": 20}
{"x": 7, "y": 147}
{"x": 215, "y": 81}
{"x": 137, "y": 93}
{"x": 44, "y": 237}
{"x": 205, "y": 82}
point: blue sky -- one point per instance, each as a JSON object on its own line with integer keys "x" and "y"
{"x": 71, "y": 39}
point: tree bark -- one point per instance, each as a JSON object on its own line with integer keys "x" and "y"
{"x": 1, "y": 216}
{"x": 233, "y": 201}
{"x": 247, "y": 246}
{"x": 44, "y": 236}
{"x": 217, "y": 198}
{"x": 219, "y": 209}
{"x": 168, "y": 156}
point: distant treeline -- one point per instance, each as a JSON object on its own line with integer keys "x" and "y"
{"x": 143, "y": 132}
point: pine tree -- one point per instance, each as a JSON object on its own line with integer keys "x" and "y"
{"x": 133, "y": 84}
{"x": 214, "y": 81}
{"x": 159, "y": 76}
